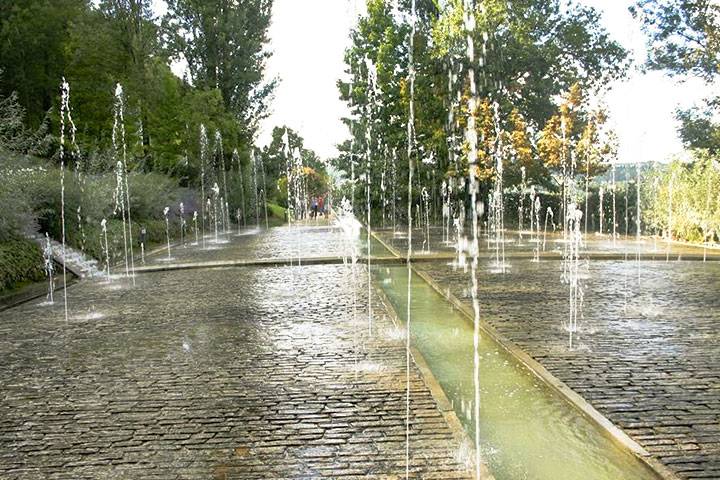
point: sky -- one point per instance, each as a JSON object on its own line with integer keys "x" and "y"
{"x": 308, "y": 39}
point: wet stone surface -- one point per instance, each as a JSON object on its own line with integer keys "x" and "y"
{"x": 439, "y": 242}
{"x": 306, "y": 240}
{"x": 648, "y": 353}
{"x": 220, "y": 373}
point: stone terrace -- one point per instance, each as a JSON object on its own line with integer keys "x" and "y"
{"x": 219, "y": 373}
{"x": 649, "y": 349}
{"x": 306, "y": 240}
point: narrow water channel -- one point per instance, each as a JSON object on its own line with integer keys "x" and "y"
{"x": 527, "y": 430}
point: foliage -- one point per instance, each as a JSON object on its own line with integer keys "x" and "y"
{"x": 684, "y": 199}
{"x": 20, "y": 261}
{"x": 275, "y": 161}
{"x": 571, "y": 142}
{"x": 96, "y": 45}
{"x": 224, "y": 46}
{"x": 30, "y": 188}
{"x": 683, "y": 35}
{"x": 684, "y": 39}
{"x": 528, "y": 54}
{"x": 34, "y": 36}
{"x": 697, "y": 129}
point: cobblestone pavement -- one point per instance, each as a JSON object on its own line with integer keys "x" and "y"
{"x": 303, "y": 240}
{"x": 649, "y": 346}
{"x": 526, "y": 246}
{"x": 225, "y": 373}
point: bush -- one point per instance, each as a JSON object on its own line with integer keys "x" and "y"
{"x": 94, "y": 239}
{"x": 20, "y": 261}
{"x": 16, "y": 213}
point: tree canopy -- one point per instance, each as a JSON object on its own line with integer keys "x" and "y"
{"x": 684, "y": 40}
{"x": 531, "y": 53}
{"x": 96, "y": 46}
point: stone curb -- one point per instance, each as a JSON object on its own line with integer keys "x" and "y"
{"x": 614, "y": 432}
{"x": 650, "y": 257}
{"x": 443, "y": 403}
{"x": 33, "y": 292}
{"x": 269, "y": 262}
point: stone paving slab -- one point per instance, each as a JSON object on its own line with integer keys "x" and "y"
{"x": 222, "y": 373}
{"x": 647, "y": 356}
{"x": 303, "y": 240}
{"x": 595, "y": 245}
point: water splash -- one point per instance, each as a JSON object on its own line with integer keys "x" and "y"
{"x": 49, "y": 266}
{"x": 64, "y": 115}
{"x": 120, "y": 207}
{"x": 256, "y": 198}
{"x": 203, "y": 166}
{"x": 264, "y": 191}
{"x": 410, "y": 149}
{"x": 426, "y": 210}
{"x": 195, "y": 223}
{"x": 119, "y": 138}
{"x": 521, "y": 207}
{"x": 533, "y": 223}
{"x": 240, "y": 181}
{"x": 471, "y": 136}
{"x": 614, "y": 206}
{"x": 182, "y": 224}
{"x": 166, "y": 210}
{"x": 216, "y": 199}
{"x": 221, "y": 164}
{"x": 497, "y": 200}
{"x": 548, "y": 214}
{"x": 535, "y": 212}
{"x": 671, "y": 187}
{"x": 106, "y": 248}
{"x": 572, "y": 277}
{"x": 601, "y": 195}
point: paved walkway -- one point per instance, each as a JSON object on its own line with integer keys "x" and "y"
{"x": 221, "y": 373}
{"x": 648, "y": 355}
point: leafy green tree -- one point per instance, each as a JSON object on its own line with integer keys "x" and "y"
{"x": 683, "y": 35}
{"x": 682, "y": 199}
{"x": 684, "y": 39}
{"x": 223, "y": 43}
{"x": 530, "y": 52}
{"x": 275, "y": 161}
{"x": 34, "y": 50}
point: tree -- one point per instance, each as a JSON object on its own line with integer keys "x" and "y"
{"x": 683, "y": 35}
{"x": 33, "y": 51}
{"x": 275, "y": 162}
{"x": 684, "y": 39}
{"x": 530, "y": 53}
{"x": 223, "y": 42}
{"x": 571, "y": 144}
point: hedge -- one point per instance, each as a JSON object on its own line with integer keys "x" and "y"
{"x": 20, "y": 261}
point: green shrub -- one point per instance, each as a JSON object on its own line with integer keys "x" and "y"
{"x": 276, "y": 210}
{"x": 20, "y": 261}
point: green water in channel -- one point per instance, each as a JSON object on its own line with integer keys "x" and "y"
{"x": 527, "y": 430}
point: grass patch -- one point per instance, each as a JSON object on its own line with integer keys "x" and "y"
{"x": 278, "y": 214}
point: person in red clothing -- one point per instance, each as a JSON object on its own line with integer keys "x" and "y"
{"x": 321, "y": 205}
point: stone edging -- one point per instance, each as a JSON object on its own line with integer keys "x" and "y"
{"x": 572, "y": 397}
{"x": 34, "y": 291}
{"x": 441, "y": 400}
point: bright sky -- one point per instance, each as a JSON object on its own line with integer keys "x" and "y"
{"x": 308, "y": 41}
{"x": 642, "y": 108}
{"x": 309, "y": 37}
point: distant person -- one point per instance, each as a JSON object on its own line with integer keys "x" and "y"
{"x": 314, "y": 207}
{"x": 321, "y": 205}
